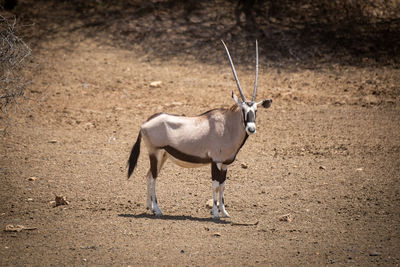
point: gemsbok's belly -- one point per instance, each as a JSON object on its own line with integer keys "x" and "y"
{"x": 185, "y": 164}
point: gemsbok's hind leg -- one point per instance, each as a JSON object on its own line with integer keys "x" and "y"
{"x": 157, "y": 160}
{"x": 149, "y": 190}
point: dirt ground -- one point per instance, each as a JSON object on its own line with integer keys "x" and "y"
{"x": 327, "y": 154}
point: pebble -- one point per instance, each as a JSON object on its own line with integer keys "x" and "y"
{"x": 155, "y": 84}
{"x": 209, "y": 203}
{"x": 286, "y": 218}
{"x": 374, "y": 253}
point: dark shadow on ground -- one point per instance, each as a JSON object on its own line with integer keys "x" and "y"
{"x": 173, "y": 218}
{"x": 289, "y": 32}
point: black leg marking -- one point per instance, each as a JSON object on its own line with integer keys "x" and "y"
{"x": 155, "y": 199}
{"x": 218, "y": 175}
{"x": 153, "y": 166}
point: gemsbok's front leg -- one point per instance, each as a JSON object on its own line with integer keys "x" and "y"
{"x": 225, "y": 214}
{"x": 218, "y": 172}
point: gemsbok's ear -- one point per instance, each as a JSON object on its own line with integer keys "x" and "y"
{"x": 266, "y": 103}
{"x": 235, "y": 98}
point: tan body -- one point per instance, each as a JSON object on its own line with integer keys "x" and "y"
{"x": 206, "y": 138}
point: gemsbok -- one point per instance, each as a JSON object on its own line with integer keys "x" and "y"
{"x": 214, "y": 137}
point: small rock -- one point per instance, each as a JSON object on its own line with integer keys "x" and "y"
{"x": 33, "y": 178}
{"x": 359, "y": 169}
{"x": 374, "y": 253}
{"x": 53, "y": 141}
{"x": 89, "y": 125}
{"x": 286, "y": 218}
{"x": 217, "y": 234}
{"x": 209, "y": 203}
{"x": 61, "y": 200}
{"x": 322, "y": 167}
{"x": 244, "y": 166}
{"x": 371, "y": 99}
{"x": 155, "y": 84}
{"x": 176, "y": 103}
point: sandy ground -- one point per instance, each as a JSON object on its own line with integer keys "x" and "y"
{"x": 327, "y": 154}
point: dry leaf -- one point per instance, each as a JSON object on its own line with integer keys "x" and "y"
{"x": 61, "y": 200}
{"x": 286, "y": 218}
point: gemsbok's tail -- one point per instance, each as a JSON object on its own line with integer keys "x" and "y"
{"x": 133, "y": 158}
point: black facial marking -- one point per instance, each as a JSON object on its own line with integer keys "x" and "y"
{"x": 251, "y": 117}
{"x": 244, "y": 118}
{"x": 251, "y": 114}
{"x": 218, "y": 175}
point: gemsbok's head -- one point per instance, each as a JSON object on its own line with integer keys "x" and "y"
{"x": 249, "y": 108}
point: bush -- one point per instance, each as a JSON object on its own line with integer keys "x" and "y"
{"x": 13, "y": 54}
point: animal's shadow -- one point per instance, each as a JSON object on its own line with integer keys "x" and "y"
{"x": 173, "y": 218}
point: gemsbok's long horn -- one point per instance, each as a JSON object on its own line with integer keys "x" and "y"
{"x": 234, "y": 73}
{"x": 256, "y": 79}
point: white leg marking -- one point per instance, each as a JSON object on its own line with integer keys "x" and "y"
{"x": 156, "y": 209}
{"x": 224, "y": 167}
{"x": 219, "y": 166}
{"x": 149, "y": 190}
{"x": 214, "y": 210}
{"x": 225, "y": 214}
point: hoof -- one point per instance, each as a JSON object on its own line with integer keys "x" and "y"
{"x": 215, "y": 214}
{"x": 158, "y": 214}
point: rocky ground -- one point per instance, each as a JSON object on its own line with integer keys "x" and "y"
{"x": 318, "y": 184}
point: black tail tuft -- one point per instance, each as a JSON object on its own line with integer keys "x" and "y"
{"x": 133, "y": 158}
